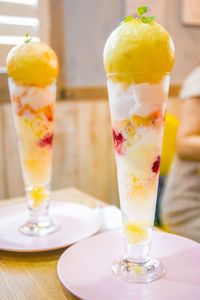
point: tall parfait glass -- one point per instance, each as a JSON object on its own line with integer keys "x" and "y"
{"x": 137, "y": 115}
{"x": 33, "y": 110}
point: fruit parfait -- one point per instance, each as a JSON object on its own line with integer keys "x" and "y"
{"x": 32, "y": 69}
{"x": 138, "y": 58}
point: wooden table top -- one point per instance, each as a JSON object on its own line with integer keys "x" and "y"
{"x": 33, "y": 276}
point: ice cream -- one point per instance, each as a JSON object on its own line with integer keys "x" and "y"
{"x": 138, "y": 57}
{"x": 33, "y": 64}
{"x": 32, "y": 70}
{"x": 143, "y": 50}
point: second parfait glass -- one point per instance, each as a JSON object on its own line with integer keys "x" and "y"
{"x": 33, "y": 110}
{"x": 137, "y": 113}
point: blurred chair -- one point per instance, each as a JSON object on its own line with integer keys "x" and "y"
{"x": 83, "y": 153}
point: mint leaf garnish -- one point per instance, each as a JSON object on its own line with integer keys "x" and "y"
{"x": 127, "y": 19}
{"x": 27, "y": 38}
{"x": 147, "y": 19}
{"x": 142, "y": 10}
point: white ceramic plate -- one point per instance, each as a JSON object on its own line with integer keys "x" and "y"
{"x": 77, "y": 222}
{"x": 85, "y": 269}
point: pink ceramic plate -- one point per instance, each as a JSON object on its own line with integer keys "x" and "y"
{"x": 77, "y": 222}
{"x": 84, "y": 269}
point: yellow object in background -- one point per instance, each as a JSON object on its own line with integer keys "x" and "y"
{"x": 169, "y": 143}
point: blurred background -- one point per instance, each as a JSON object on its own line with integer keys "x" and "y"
{"x": 77, "y": 31}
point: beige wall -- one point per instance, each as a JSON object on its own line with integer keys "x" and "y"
{"x": 186, "y": 39}
{"x": 88, "y": 24}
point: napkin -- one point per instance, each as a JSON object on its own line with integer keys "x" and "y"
{"x": 110, "y": 218}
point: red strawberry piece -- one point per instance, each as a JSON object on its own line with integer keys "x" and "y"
{"x": 118, "y": 139}
{"x": 156, "y": 165}
{"x": 47, "y": 140}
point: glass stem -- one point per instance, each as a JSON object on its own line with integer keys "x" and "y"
{"x": 38, "y": 203}
{"x": 39, "y": 222}
{"x": 138, "y": 253}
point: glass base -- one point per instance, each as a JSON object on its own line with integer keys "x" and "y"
{"x": 38, "y": 228}
{"x": 138, "y": 272}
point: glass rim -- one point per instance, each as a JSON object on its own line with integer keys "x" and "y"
{"x": 137, "y": 73}
{"x": 11, "y": 79}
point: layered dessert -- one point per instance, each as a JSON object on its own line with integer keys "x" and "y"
{"x": 33, "y": 69}
{"x": 138, "y": 114}
{"x": 138, "y": 57}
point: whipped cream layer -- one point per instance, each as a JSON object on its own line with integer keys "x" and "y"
{"x": 126, "y": 101}
{"x": 36, "y": 97}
